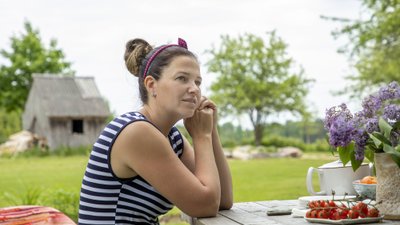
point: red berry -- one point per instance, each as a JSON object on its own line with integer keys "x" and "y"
{"x": 343, "y": 213}
{"x": 335, "y": 216}
{"x": 353, "y": 214}
{"x": 363, "y": 209}
{"x": 331, "y": 203}
{"x": 373, "y": 212}
{"x": 323, "y": 214}
{"x": 313, "y": 204}
{"x": 308, "y": 214}
{"x": 313, "y": 214}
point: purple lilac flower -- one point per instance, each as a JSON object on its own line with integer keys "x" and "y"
{"x": 388, "y": 92}
{"x": 340, "y": 131}
{"x": 360, "y": 138}
{"x": 334, "y": 112}
{"x": 370, "y": 105}
{"x": 396, "y": 89}
{"x": 371, "y": 125}
{"x": 391, "y": 112}
{"x": 359, "y": 118}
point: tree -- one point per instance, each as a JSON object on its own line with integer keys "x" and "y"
{"x": 256, "y": 79}
{"x": 27, "y": 55}
{"x": 374, "y": 45}
{"x": 10, "y": 123}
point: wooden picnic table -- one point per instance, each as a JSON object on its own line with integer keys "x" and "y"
{"x": 255, "y": 213}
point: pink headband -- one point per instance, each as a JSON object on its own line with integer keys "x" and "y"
{"x": 181, "y": 43}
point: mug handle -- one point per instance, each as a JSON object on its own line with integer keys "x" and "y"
{"x": 310, "y": 188}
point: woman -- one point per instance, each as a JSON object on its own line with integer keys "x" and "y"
{"x": 141, "y": 166}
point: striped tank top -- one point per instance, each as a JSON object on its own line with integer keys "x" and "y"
{"x": 106, "y": 199}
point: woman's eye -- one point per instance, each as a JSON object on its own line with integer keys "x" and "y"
{"x": 198, "y": 83}
{"x": 182, "y": 78}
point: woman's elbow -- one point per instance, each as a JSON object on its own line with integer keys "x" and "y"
{"x": 226, "y": 201}
{"x": 226, "y": 205}
{"x": 204, "y": 208}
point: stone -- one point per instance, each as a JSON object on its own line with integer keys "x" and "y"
{"x": 290, "y": 152}
{"x": 22, "y": 141}
{"x": 242, "y": 152}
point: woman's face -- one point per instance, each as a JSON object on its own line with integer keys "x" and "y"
{"x": 178, "y": 89}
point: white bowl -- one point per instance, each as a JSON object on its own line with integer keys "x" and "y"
{"x": 365, "y": 190}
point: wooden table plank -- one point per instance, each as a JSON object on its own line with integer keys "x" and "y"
{"x": 246, "y": 218}
{"x": 218, "y": 220}
{"x": 280, "y": 203}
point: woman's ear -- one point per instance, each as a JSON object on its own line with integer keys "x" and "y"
{"x": 151, "y": 85}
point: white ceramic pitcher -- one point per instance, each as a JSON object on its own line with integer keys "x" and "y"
{"x": 335, "y": 176}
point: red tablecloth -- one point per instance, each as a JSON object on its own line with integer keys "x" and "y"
{"x": 33, "y": 215}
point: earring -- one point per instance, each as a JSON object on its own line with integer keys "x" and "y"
{"x": 154, "y": 94}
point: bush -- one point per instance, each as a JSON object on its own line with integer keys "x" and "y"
{"x": 320, "y": 145}
{"x": 229, "y": 144}
{"x": 279, "y": 141}
{"x": 64, "y": 201}
{"x": 31, "y": 196}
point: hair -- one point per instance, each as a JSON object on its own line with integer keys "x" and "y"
{"x": 139, "y": 51}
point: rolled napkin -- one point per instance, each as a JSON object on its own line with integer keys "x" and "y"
{"x": 279, "y": 210}
{"x": 299, "y": 213}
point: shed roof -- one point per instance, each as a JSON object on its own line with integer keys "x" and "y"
{"x": 68, "y": 96}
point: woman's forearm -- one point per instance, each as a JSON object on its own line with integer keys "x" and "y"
{"x": 223, "y": 170}
{"x": 206, "y": 169}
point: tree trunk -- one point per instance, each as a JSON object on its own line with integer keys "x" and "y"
{"x": 306, "y": 134}
{"x": 258, "y": 134}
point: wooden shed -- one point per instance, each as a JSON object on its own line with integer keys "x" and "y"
{"x": 68, "y": 111}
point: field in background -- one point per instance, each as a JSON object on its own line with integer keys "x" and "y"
{"x": 55, "y": 181}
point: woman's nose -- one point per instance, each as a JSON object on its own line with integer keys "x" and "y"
{"x": 194, "y": 88}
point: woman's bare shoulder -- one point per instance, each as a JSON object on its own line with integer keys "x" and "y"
{"x": 139, "y": 133}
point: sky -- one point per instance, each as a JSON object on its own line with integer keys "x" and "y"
{"x": 93, "y": 33}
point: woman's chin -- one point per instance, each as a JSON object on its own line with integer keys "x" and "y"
{"x": 188, "y": 114}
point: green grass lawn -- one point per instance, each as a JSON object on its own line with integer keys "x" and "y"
{"x": 47, "y": 173}
{"x": 269, "y": 179}
{"x": 253, "y": 180}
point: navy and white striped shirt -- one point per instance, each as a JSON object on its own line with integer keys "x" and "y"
{"x": 106, "y": 199}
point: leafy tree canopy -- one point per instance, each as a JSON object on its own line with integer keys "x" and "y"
{"x": 256, "y": 78}
{"x": 27, "y": 55}
{"x": 373, "y": 46}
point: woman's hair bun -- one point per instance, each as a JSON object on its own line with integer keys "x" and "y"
{"x": 135, "y": 52}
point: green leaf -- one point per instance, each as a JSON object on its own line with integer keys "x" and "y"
{"x": 379, "y": 139}
{"x": 391, "y": 150}
{"x": 396, "y": 159}
{"x": 344, "y": 153}
{"x": 394, "y": 153}
{"x": 385, "y": 127}
{"x": 354, "y": 162}
{"x": 376, "y": 141}
{"x": 396, "y": 125}
{"x": 369, "y": 154}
